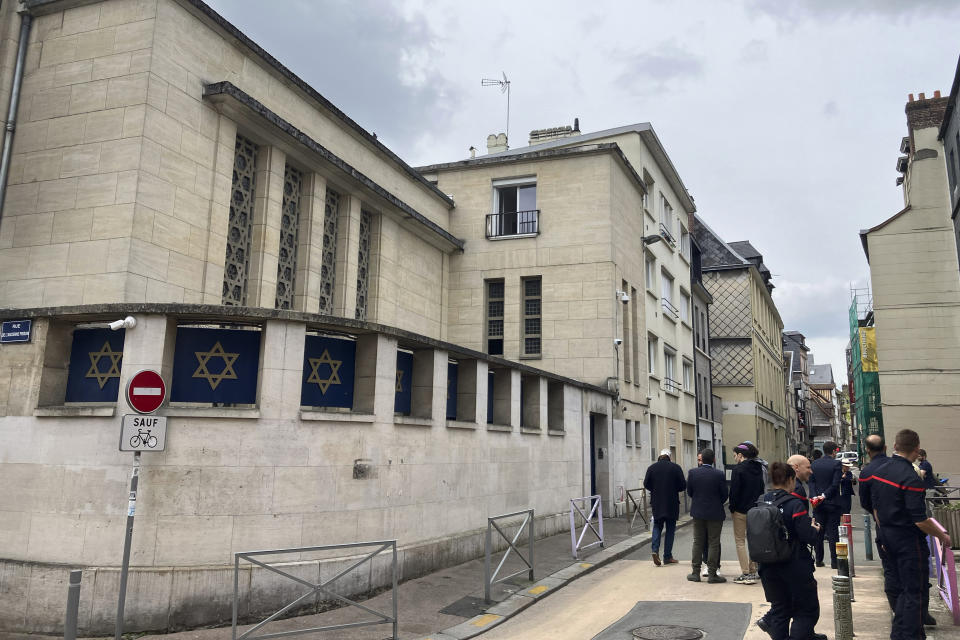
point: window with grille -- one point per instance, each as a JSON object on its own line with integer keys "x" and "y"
{"x": 328, "y": 266}
{"x": 289, "y": 232}
{"x": 494, "y": 317}
{"x": 531, "y": 316}
{"x": 236, "y": 266}
{"x": 363, "y": 265}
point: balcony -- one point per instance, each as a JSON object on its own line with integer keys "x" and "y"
{"x": 669, "y": 309}
{"x": 513, "y": 224}
{"x": 667, "y": 236}
{"x": 671, "y": 385}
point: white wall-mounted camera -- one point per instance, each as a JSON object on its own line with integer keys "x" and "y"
{"x": 617, "y": 341}
{"x": 624, "y": 296}
{"x": 127, "y": 323}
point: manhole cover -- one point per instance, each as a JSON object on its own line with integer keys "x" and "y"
{"x": 667, "y": 632}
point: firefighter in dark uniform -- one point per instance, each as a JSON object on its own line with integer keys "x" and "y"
{"x": 897, "y": 498}
{"x": 789, "y": 586}
{"x": 877, "y": 450}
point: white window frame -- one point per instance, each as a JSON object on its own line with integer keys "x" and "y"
{"x": 650, "y": 275}
{"x": 671, "y": 383}
{"x": 684, "y": 306}
{"x": 687, "y": 376}
{"x": 652, "y": 349}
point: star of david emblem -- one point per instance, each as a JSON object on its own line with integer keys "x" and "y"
{"x": 332, "y": 379}
{"x": 399, "y": 388}
{"x": 203, "y": 357}
{"x": 105, "y": 352}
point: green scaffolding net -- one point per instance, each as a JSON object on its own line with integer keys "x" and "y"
{"x": 864, "y": 372}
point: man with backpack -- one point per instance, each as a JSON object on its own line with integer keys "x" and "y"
{"x": 708, "y": 489}
{"x": 779, "y": 529}
{"x": 746, "y": 485}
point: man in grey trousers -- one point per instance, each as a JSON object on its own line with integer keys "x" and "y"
{"x": 707, "y": 488}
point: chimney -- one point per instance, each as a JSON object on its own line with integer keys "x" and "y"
{"x": 553, "y": 133}
{"x": 473, "y": 152}
{"x": 497, "y": 143}
{"x": 925, "y": 112}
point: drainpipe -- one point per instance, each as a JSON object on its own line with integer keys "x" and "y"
{"x": 26, "y": 20}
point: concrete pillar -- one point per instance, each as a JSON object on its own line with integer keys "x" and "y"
{"x": 439, "y": 411}
{"x": 310, "y": 250}
{"x": 472, "y": 391}
{"x": 216, "y": 252}
{"x": 422, "y": 393}
{"x": 348, "y": 248}
{"x": 534, "y": 401}
{"x": 149, "y": 345}
{"x": 281, "y": 369}
{"x": 267, "y": 214}
{"x": 375, "y": 376}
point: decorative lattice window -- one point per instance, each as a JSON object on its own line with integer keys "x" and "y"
{"x": 289, "y": 230}
{"x": 240, "y": 230}
{"x": 495, "y": 317}
{"x": 329, "y": 263}
{"x": 531, "y": 316}
{"x": 363, "y": 265}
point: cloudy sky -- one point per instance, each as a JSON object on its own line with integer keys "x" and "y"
{"x": 783, "y": 118}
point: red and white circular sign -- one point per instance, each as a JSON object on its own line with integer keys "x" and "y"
{"x": 146, "y": 391}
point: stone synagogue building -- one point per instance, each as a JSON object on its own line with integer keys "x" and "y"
{"x": 354, "y": 349}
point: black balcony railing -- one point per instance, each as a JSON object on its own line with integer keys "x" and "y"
{"x": 513, "y": 223}
{"x": 667, "y": 236}
{"x": 669, "y": 309}
{"x": 671, "y": 385}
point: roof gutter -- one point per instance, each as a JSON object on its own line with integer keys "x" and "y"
{"x": 26, "y": 21}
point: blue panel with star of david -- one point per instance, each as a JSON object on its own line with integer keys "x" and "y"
{"x": 328, "y": 368}
{"x": 216, "y": 366}
{"x": 403, "y": 393}
{"x": 94, "y": 371}
{"x": 451, "y": 391}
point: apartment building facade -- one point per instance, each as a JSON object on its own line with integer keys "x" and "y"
{"x": 746, "y": 344}
{"x": 915, "y": 284}
{"x": 796, "y": 353}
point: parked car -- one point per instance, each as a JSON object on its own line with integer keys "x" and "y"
{"x": 851, "y": 458}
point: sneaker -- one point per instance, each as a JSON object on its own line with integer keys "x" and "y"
{"x": 820, "y": 563}
{"x": 764, "y": 626}
{"x": 754, "y": 576}
{"x": 670, "y": 561}
{"x": 716, "y": 579}
{"x": 656, "y": 558}
{"x": 744, "y": 578}
{"x": 693, "y": 577}
{"x": 704, "y": 572}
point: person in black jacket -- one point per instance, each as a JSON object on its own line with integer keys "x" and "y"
{"x": 825, "y": 485}
{"x": 789, "y": 586}
{"x": 746, "y": 485}
{"x": 664, "y": 482}
{"x": 708, "y": 489}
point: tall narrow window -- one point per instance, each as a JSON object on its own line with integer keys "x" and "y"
{"x": 654, "y": 439}
{"x": 531, "y": 316}
{"x": 684, "y": 306}
{"x": 666, "y": 300}
{"x": 236, "y": 265}
{"x": 666, "y": 220}
{"x": 684, "y": 242}
{"x": 687, "y": 376}
{"x": 627, "y": 352}
{"x": 634, "y": 336}
{"x": 670, "y": 369}
{"x": 495, "y": 317}
{"x": 328, "y": 268}
{"x": 363, "y": 265}
{"x": 650, "y": 275}
{"x": 289, "y": 230}
{"x": 652, "y": 355}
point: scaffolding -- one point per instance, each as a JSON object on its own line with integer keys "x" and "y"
{"x": 864, "y": 369}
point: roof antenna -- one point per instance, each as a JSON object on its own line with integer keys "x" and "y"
{"x": 504, "y": 88}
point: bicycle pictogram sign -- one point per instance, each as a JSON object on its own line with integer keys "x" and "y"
{"x": 143, "y": 433}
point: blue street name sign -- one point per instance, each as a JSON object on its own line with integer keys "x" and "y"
{"x": 16, "y": 331}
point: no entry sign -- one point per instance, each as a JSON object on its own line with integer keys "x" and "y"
{"x": 146, "y": 391}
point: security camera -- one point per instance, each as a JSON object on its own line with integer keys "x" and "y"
{"x": 127, "y": 323}
{"x": 617, "y": 342}
{"x": 624, "y": 298}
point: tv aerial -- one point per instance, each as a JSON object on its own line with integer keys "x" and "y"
{"x": 504, "y": 88}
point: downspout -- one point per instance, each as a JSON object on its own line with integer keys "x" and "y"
{"x": 26, "y": 21}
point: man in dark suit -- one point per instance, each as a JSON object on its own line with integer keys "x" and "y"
{"x": 825, "y": 485}
{"x": 664, "y": 482}
{"x": 708, "y": 489}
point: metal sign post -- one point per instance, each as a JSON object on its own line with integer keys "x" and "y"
{"x": 128, "y": 539}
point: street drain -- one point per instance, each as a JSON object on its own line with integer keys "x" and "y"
{"x": 667, "y": 632}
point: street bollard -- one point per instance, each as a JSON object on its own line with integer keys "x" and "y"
{"x": 867, "y": 537}
{"x": 842, "y": 611}
{"x": 847, "y": 521}
{"x": 73, "y": 606}
{"x": 843, "y": 559}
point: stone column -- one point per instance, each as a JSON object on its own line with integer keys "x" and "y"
{"x": 281, "y": 369}
{"x": 375, "y": 376}
{"x": 310, "y": 251}
{"x": 424, "y": 382}
{"x": 219, "y": 211}
{"x": 267, "y": 214}
{"x": 149, "y": 345}
{"x": 472, "y": 391}
{"x": 348, "y": 247}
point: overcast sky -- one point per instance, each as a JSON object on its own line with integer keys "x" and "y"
{"x": 784, "y": 119}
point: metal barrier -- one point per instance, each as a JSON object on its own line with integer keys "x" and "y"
{"x": 490, "y": 579}
{"x": 638, "y": 510}
{"x": 318, "y": 588}
{"x": 868, "y": 536}
{"x": 946, "y": 573}
{"x": 596, "y": 507}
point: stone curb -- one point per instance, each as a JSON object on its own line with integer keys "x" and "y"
{"x": 502, "y": 611}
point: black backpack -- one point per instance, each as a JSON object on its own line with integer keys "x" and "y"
{"x": 767, "y": 537}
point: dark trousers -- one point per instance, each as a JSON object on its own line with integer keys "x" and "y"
{"x": 829, "y": 520}
{"x": 791, "y": 590}
{"x": 658, "y": 526}
{"x": 906, "y": 582}
{"x": 706, "y": 532}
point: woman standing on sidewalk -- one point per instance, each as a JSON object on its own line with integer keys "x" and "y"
{"x": 789, "y": 586}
